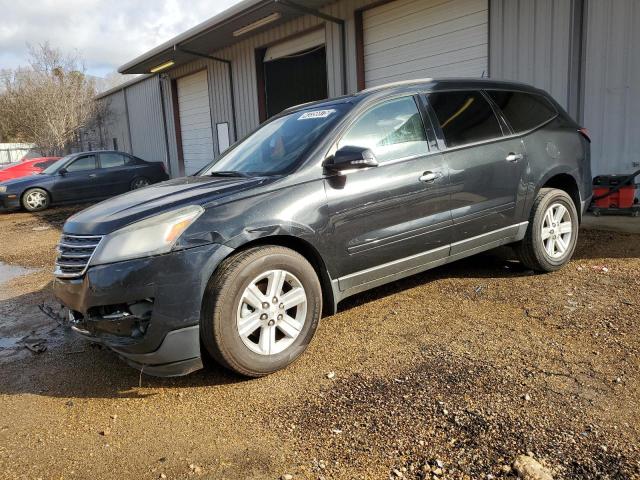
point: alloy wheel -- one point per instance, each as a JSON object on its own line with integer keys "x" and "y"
{"x": 271, "y": 312}
{"x": 140, "y": 183}
{"x": 556, "y": 231}
{"x": 36, "y": 200}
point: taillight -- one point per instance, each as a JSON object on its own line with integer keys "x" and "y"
{"x": 585, "y": 133}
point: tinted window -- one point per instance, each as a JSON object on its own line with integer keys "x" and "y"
{"x": 111, "y": 160}
{"x": 464, "y": 117}
{"x": 83, "y": 163}
{"x": 524, "y": 111}
{"x": 391, "y": 130}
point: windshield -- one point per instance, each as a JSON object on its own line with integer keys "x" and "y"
{"x": 53, "y": 168}
{"x": 276, "y": 147}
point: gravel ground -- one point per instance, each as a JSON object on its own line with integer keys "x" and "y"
{"x": 448, "y": 374}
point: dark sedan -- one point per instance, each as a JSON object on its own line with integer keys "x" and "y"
{"x": 80, "y": 177}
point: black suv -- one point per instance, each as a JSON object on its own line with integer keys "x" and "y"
{"x": 238, "y": 263}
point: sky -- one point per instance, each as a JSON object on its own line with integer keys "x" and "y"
{"x": 106, "y": 33}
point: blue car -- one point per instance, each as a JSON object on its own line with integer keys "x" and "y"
{"x": 80, "y": 177}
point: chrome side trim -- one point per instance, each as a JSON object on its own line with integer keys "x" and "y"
{"x": 392, "y": 268}
{"x": 379, "y": 275}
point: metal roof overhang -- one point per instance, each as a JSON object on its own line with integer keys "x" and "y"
{"x": 217, "y": 32}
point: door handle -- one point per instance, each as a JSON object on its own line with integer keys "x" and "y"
{"x": 429, "y": 177}
{"x": 514, "y": 157}
{"x": 92, "y": 175}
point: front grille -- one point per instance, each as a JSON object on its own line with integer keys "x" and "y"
{"x": 74, "y": 254}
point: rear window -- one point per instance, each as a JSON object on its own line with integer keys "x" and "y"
{"x": 464, "y": 117}
{"x": 524, "y": 111}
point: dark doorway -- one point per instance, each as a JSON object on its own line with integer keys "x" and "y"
{"x": 295, "y": 79}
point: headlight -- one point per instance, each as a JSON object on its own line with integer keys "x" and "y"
{"x": 3, "y": 188}
{"x": 152, "y": 236}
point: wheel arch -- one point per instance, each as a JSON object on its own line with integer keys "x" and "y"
{"x": 310, "y": 253}
{"x": 565, "y": 181}
{"x": 24, "y": 192}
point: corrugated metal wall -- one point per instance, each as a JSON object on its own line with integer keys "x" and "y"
{"x": 116, "y": 122}
{"x": 535, "y": 41}
{"x": 146, "y": 123}
{"x": 612, "y": 84}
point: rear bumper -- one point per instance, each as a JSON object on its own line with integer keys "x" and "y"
{"x": 146, "y": 310}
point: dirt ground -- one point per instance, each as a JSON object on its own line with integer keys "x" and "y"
{"x": 465, "y": 366}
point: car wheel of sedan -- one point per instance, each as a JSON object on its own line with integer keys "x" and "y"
{"x": 35, "y": 199}
{"x": 140, "y": 182}
{"x": 552, "y": 233}
{"x": 261, "y": 310}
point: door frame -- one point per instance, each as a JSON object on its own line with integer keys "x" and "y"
{"x": 259, "y": 66}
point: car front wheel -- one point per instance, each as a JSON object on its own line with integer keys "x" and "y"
{"x": 35, "y": 200}
{"x": 552, "y": 233}
{"x": 261, "y": 310}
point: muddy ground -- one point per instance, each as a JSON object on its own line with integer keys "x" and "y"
{"x": 467, "y": 365}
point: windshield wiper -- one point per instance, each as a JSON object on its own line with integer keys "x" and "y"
{"x": 228, "y": 173}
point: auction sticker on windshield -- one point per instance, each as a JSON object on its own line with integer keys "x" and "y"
{"x": 316, "y": 114}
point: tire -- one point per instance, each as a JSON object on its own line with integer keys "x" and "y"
{"x": 139, "y": 182}
{"x": 35, "y": 200}
{"x": 276, "y": 336}
{"x": 556, "y": 248}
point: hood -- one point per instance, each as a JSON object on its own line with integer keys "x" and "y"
{"x": 117, "y": 212}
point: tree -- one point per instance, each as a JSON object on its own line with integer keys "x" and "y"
{"x": 49, "y": 102}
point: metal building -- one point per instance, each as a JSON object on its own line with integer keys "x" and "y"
{"x": 216, "y": 82}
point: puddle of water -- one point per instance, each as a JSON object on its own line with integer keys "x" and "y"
{"x": 9, "y": 272}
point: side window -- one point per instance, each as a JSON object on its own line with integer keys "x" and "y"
{"x": 391, "y": 130}
{"x": 111, "y": 160}
{"x": 524, "y": 111}
{"x": 87, "y": 162}
{"x": 464, "y": 117}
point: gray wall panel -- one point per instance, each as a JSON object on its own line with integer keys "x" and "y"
{"x": 612, "y": 84}
{"x": 532, "y": 41}
{"x": 146, "y": 123}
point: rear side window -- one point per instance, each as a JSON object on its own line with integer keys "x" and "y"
{"x": 112, "y": 160}
{"x": 391, "y": 130}
{"x": 524, "y": 111}
{"x": 464, "y": 117}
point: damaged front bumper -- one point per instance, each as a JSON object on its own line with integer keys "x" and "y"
{"x": 146, "y": 310}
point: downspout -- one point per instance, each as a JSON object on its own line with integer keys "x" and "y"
{"x": 328, "y": 18}
{"x": 126, "y": 112}
{"x": 164, "y": 124}
{"x": 178, "y": 48}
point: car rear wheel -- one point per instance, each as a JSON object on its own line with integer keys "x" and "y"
{"x": 261, "y": 310}
{"x": 552, "y": 233}
{"x": 35, "y": 200}
{"x": 140, "y": 182}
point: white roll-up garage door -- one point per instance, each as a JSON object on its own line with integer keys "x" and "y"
{"x": 409, "y": 39}
{"x": 195, "y": 121}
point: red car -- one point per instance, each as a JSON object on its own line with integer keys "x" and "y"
{"x": 25, "y": 168}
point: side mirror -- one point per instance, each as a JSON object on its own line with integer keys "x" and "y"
{"x": 350, "y": 158}
{"x": 62, "y": 171}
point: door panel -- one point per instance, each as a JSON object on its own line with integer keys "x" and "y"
{"x": 486, "y": 168}
{"x": 486, "y": 187}
{"x": 383, "y": 215}
{"x": 117, "y": 175}
{"x": 79, "y": 182}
